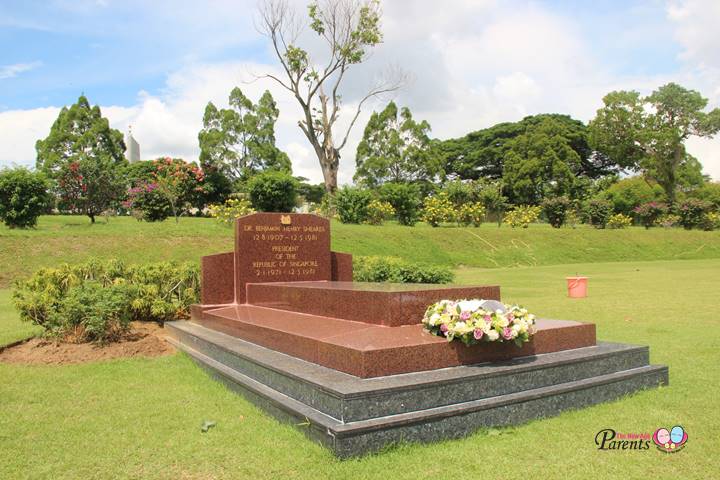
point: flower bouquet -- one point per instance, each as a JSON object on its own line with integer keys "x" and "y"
{"x": 476, "y": 321}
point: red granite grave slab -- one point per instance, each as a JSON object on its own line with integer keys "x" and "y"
{"x": 280, "y": 247}
{"x": 217, "y": 280}
{"x": 341, "y": 267}
{"x": 388, "y": 304}
{"x": 367, "y": 350}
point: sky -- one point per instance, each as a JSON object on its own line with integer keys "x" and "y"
{"x": 470, "y": 63}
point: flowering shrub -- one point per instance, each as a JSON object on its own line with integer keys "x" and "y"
{"x": 668, "y": 220}
{"x": 471, "y": 214}
{"x": 522, "y": 216}
{"x": 469, "y": 322}
{"x": 172, "y": 185}
{"x": 177, "y": 181}
{"x": 692, "y": 212}
{"x": 147, "y": 203}
{"x": 379, "y": 211}
{"x": 649, "y": 212}
{"x": 232, "y": 209}
{"x": 438, "y": 209}
{"x": 711, "y": 221}
{"x": 619, "y": 221}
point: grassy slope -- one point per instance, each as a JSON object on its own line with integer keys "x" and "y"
{"x": 141, "y": 418}
{"x": 72, "y": 239}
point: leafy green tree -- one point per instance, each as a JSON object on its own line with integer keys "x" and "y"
{"x": 481, "y": 154}
{"x": 79, "y": 132}
{"x": 23, "y": 197}
{"x": 347, "y": 30}
{"x": 395, "y": 148}
{"x": 649, "y": 133}
{"x": 311, "y": 193}
{"x": 632, "y": 192}
{"x": 540, "y": 162}
{"x": 405, "y": 200}
{"x": 85, "y": 157}
{"x": 240, "y": 141}
{"x": 273, "y": 191}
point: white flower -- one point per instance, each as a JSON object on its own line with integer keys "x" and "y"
{"x": 434, "y": 318}
{"x": 471, "y": 305}
{"x": 493, "y": 335}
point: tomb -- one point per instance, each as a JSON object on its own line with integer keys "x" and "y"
{"x": 282, "y": 322}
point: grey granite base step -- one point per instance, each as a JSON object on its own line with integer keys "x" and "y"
{"x": 347, "y": 439}
{"x": 347, "y": 398}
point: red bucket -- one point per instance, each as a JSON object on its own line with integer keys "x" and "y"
{"x": 577, "y": 287}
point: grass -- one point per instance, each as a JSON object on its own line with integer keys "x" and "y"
{"x": 141, "y": 418}
{"x": 73, "y": 239}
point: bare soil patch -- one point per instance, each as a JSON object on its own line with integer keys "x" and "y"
{"x": 145, "y": 339}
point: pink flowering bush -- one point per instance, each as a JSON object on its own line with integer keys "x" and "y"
{"x": 147, "y": 203}
{"x": 648, "y": 213}
{"x": 474, "y": 321}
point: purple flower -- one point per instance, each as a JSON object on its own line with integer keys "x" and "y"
{"x": 488, "y": 318}
{"x": 464, "y": 315}
{"x": 478, "y": 334}
{"x": 507, "y": 333}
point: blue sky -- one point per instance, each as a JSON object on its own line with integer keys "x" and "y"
{"x": 113, "y": 50}
{"x": 475, "y": 62}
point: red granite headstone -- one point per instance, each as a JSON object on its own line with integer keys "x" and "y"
{"x": 280, "y": 247}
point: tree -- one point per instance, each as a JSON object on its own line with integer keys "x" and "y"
{"x": 273, "y": 192}
{"x": 89, "y": 185}
{"x": 649, "y": 133}
{"x": 348, "y": 29}
{"x": 481, "y": 154}
{"x": 86, "y": 158}
{"x": 541, "y": 162}
{"x": 79, "y": 132}
{"x": 395, "y": 148}
{"x": 23, "y": 197}
{"x": 178, "y": 181}
{"x": 240, "y": 141}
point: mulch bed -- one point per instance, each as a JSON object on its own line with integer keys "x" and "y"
{"x": 144, "y": 339}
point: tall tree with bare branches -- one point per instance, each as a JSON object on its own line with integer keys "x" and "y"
{"x": 349, "y": 29}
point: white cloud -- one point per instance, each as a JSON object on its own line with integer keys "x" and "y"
{"x": 19, "y": 130}
{"x": 475, "y": 63}
{"x": 10, "y": 71}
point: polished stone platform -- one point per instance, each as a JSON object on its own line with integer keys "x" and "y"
{"x": 385, "y": 304}
{"x": 369, "y": 350}
{"x": 353, "y": 415}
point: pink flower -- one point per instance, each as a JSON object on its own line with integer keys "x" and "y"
{"x": 464, "y": 315}
{"x": 488, "y": 318}
{"x": 478, "y": 334}
{"x": 507, "y": 333}
{"x": 444, "y": 329}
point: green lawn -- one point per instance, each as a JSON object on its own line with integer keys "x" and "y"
{"x": 141, "y": 418}
{"x": 73, "y": 239}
